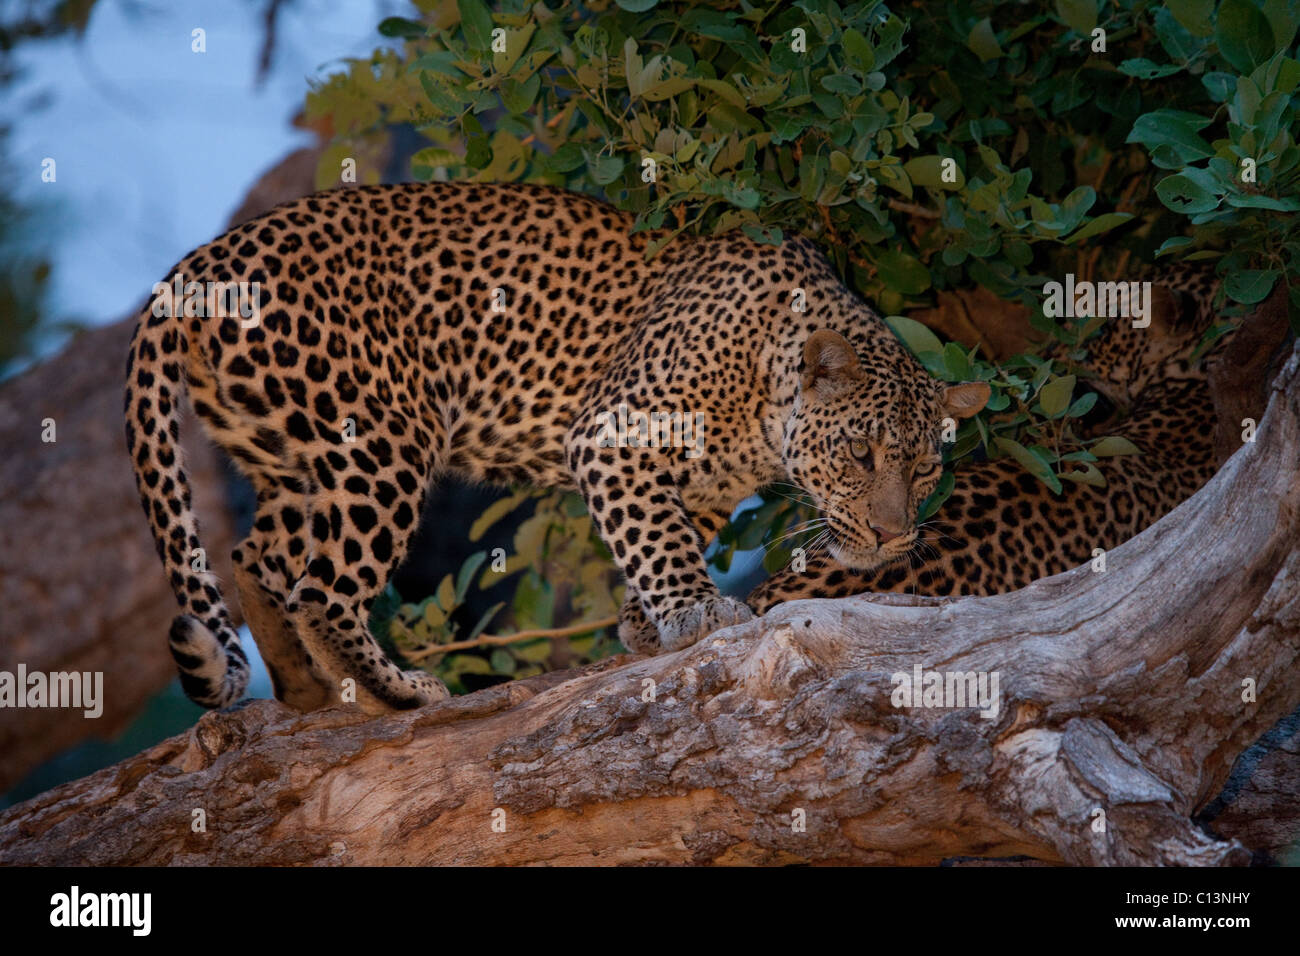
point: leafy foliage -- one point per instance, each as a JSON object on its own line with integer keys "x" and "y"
{"x": 926, "y": 147}
{"x": 560, "y": 566}
{"x": 1240, "y": 189}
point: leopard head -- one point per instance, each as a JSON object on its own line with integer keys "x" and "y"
{"x": 863, "y": 439}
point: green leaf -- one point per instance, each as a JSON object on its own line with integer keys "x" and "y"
{"x": 956, "y": 361}
{"x": 983, "y": 41}
{"x": 902, "y": 272}
{"x": 434, "y": 615}
{"x": 1183, "y": 194}
{"x": 928, "y": 171}
{"x": 997, "y": 402}
{"x": 1079, "y": 15}
{"x": 440, "y": 61}
{"x": 1029, "y": 461}
{"x": 919, "y": 339}
{"x": 1284, "y": 21}
{"x": 768, "y": 235}
{"x": 1055, "y": 396}
{"x": 1171, "y": 244}
{"x": 485, "y": 620}
{"x": 401, "y": 27}
{"x": 1099, "y": 225}
{"x": 1145, "y": 69}
{"x": 468, "y": 664}
{"x": 1219, "y": 85}
{"x": 518, "y": 97}
{"x": 1174, "y": 128}
{"x": 725, "y": 90}
{"x": 478, "y": 153}
{"x": 858, "y": 50}
{"x": 636, "y": 6}
{"x": 446, "y": 593}
{"x": 466, "y": 575}
{"x": 1244, "y": 35}
{"x": 435, "y": 157}
{"x": 534, "y": 652}
{"x": 1113, "y": 445}
{"x": 1249, "y": 286}
{"x": 606, "y": 169}
{"x": 1253, "y": 201}
{"x": 1082, "y": 406}
{"x": 439, "y": 96}
{"x": 1194, "y": 15}
{"x": 534, "y": 602}
{"x": 502, "y": 661}
{"x": 934, "y": 501}
{"x": 567, "y": 158}
{"x": 842, "y": 83}
{"x": 516, "y": 43}
{"x": 477, "y": 24}
{"x": 776, "y": 558}
{"x": 1181, "y": 46}
{"x": 1089, "y": 475}
{"x": 495, "y": 512}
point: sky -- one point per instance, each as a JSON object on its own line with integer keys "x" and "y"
{"x": 155, "y": 145}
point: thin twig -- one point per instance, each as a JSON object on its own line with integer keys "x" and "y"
{"x": 831, "y": 231}
{"x": 269, "y": 18}
{"x": 497, "y": 640}
{"x": 912, "y": 209}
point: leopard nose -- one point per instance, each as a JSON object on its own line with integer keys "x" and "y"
{"x": 885, "y": 536}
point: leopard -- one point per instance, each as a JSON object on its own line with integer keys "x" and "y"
{"x": 400, "y": 334}
{"x": 1002, "y": 528}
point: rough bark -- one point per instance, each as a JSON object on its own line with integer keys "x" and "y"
{"x": 1121, "y": 692}
{"x": 1260, "y": 805}
{"x": 1240, "y": 374}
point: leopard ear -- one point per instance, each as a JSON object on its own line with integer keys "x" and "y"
{"x": 828, "y": 357}
{"x": 964, "y": 400}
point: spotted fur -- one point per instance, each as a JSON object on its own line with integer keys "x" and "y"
{"x": 1002, "y": 528}
{"x": 377, "y": 307}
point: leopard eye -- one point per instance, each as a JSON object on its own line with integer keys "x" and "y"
{"x": 861, "y": 450}
{"x": 925, "y": 469}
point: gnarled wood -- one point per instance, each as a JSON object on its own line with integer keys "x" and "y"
{"x": 1121, "y": 692}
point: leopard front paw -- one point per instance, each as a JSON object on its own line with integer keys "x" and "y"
{"x": 635, "y": 632}
{"x": 429, "y": 688}
{"x": 685, "y": 626}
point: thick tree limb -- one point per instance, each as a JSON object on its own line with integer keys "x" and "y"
{"x": 1122, "y": 692}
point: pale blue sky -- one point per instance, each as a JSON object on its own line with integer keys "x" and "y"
{"x": 156, "y": 145}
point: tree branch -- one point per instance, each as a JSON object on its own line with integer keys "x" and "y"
{"x": 1125, "y": 697}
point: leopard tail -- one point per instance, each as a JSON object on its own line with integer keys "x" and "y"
{"x": 213, "y": 666}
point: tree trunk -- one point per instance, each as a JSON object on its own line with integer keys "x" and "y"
{"x": 1125, "y": 697}
{"x": 81, "y": 587}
